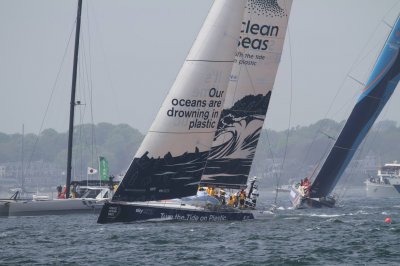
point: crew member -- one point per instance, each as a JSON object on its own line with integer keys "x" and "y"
{"x": 222, "y": 196}
{"x": 306, "y": 185}
{"x": 73, "y": 191}
{"x": 211, "y": 191}
{"x": 61, "y": 195}
{"x": 242, "y": 198}
{"x": 59, "y": 192}
{"x": 231, "y": 201}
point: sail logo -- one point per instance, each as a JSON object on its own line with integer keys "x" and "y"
{"x": 260, "y": 31}
{"x": 269, "y": 8}
{"x": 199, "y": 113}
{"x": 113, "y": 212}
{"x": 144, "y": 211}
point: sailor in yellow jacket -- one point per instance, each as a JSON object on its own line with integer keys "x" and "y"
{"x": 242, "y": 198}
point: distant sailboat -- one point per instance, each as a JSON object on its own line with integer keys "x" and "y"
{"x": 380, "y": 86}
{"x": 207, "y": 129}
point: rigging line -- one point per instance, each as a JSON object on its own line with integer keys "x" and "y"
{"x": 82, "y": 110}
{"x": 89, "y": 80}
{"x": 327, "y": 149}
{"x": 290, "y": 105}
{"x": 290, "y": 108}
{"x": 88, "y": 84}
{"x": 387, "y": 24}
{"x": 319, "y": 130}
{"x": 382, "y": 45}
{"x": 100, "y": 43}
{"x": 352, "y": 171}
{"x": 347, "y": 105}
{"x": 94, "y": 148}
{"x": 356, "y": 62}
{"x": 326, "y": 134}
{"x": 356, "y": 80}
{"x": 83, "y": 83}
{"x": 51, "y": 96}
{"x": 80, "y": 146}
{"x": 273, "y": 165}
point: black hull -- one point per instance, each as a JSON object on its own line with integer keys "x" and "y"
{"x": 119, "y": 212}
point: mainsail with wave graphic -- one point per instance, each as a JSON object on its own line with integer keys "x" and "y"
{"x": 171, "y": 158}
{"x": 251, "y": 82}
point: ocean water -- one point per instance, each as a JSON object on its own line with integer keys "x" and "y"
{"x": 354, "y": 233}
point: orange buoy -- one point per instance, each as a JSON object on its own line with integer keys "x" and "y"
{"x": 388, "y": 220}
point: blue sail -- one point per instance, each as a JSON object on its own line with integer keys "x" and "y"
{"x": 380, "y": 86}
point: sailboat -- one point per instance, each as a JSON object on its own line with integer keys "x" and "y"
{"x": 207, "y": 129}
{"x": 382, "y": 82}
{"x": 93, "y": 196}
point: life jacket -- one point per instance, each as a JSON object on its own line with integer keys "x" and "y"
{"x": 212, "y": 192}
{"x": 231, "y": 201}
{"x": 242, "y": 195}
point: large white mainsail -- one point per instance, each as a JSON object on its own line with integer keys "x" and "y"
{"x": 171, "y": 159}
{"x": 251, "y": 83}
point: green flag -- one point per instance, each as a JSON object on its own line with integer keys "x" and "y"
{"x": 103, "y": 169}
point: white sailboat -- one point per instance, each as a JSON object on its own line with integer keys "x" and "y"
{"x": 94, "y": 196}
{"x": 207, "y": 129}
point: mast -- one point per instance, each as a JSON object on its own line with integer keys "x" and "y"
{"x": 72, "y": 103}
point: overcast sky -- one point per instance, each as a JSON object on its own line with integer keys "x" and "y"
{"x": 136, "y": 48}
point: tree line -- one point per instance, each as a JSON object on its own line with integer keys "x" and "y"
{"x": 291, "y": 152}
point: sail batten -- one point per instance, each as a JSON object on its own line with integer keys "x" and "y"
{"x": 380, "y": 86}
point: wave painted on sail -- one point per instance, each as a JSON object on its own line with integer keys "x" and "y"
{"x": 380, "y": 86}
{"x": 234, "y": 122}
{"x": 168, "y": 177}
{"x": 229, "y": 163}
{"x": 249, "y": 91}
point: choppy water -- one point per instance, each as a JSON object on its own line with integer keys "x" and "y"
{"x": 353, "y": 234}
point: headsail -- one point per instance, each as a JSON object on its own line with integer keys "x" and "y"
{"x": 252, "y": 79}
{"x": 171, "y": 159}
{"x": 380, "y": 86}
